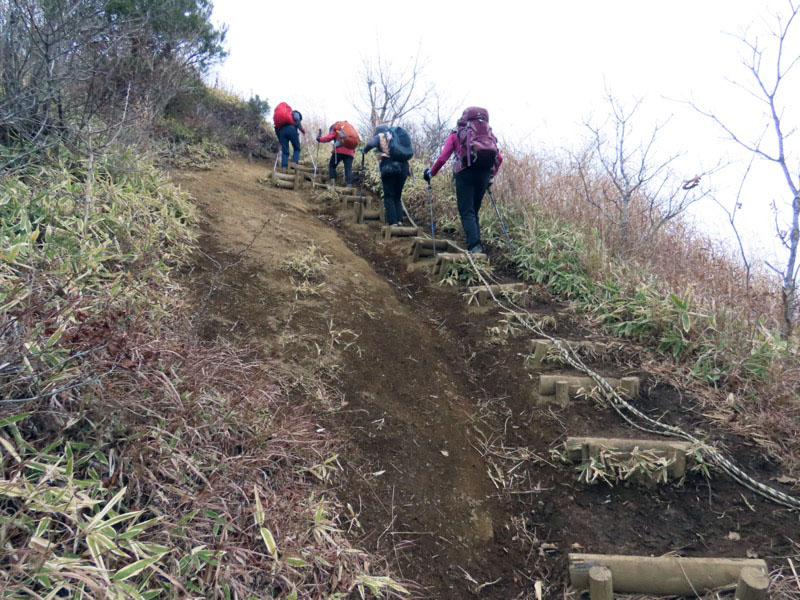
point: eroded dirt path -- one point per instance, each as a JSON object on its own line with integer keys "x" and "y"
{"x": 445, "y": 457}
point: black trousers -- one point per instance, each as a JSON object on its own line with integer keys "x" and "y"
{"x": 392, "y": 193}
{"x": 471, "y": 185}
{"x": 348, "y": 167}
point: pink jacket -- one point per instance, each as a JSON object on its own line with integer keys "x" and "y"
{"x": 450, "y": 147}
{"x": 338, "y": 149}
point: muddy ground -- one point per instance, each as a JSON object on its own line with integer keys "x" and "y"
{"x": 445, "y": 453}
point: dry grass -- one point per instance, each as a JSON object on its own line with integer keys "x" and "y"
{"x": 136, "y": 461}
{"x": 678, "y": 292}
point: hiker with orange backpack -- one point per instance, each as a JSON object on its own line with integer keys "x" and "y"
{"x": 394, "y": 151}
{"x": 476, "y": 162}
{"x": 287, "y": 122}
{"x": 345, "y": 141}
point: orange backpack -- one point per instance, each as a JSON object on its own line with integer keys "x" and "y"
{"x": 346, "y": 135}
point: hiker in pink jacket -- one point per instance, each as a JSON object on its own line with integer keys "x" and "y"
{"x": 476, "y": 161}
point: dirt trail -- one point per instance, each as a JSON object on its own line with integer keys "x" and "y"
{"x": 445, "y": 456}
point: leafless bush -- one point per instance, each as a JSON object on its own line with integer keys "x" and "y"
{"x": 72, "y": 71}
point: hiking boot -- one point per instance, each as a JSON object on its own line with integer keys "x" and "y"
{"x": 476, "y": 249}
{"x": 396, "y": 225}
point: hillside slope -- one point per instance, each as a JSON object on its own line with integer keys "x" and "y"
{"x": 445, "y": 454}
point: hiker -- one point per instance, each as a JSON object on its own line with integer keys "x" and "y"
{"x": 345, "y": 141}
{"x": 476, "y": 162}
{"x": 287, "y": 122}
{"x": 394, "y": 152}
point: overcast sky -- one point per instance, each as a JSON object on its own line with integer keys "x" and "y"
{"x": 540, "y": 68}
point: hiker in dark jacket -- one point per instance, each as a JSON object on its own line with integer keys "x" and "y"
{"x": 393, "y": 175}
{"x": 472, "y": 179}
{"x": 288, "y": 133}
{"x": 340, "y": 154}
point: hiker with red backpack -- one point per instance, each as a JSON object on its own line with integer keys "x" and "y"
{"x": 476, "y": 161}
{"x": 287, "y": 122}
{"x": 394, "y": 151}
{"x": 345, "y": 141}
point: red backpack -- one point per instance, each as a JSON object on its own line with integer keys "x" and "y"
{"x": 282, "y": 115}
{"x": 346, "y": 135}
{"x": 476, "y": 145}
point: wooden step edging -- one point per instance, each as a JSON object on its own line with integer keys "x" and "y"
{"x": 540, "y": 348}
{"x": 481, "y": 293}
{"x": 582, "y": 449}
{"x": 666, "y": 575}
{"x": 286, "y": 185}
{"x": 445, "y": 259}
{"x": 362, "y": 214}
{"x": 560, "y": 388}
{"x": 388, "y": 231}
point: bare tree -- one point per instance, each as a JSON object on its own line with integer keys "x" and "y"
{"x": 642, "y": 190}
{"x": 388, "y": 93}
{"x": 767, "y": 68}
{"x": 437, "y": 123}
{"x": 69, "y": 69}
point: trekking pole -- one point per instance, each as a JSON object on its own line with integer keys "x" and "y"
{"x": 277, "y": 156}
{"x": 433, "y": 233}
{"x": 502, "y": 223}
{"x": 311, "y": 156}
{"x": 361, "y": 181}
{"x": 319, "y": 135}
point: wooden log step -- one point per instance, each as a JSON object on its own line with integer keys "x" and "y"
{"x": 560, "y": 388}
{"x": 372, "y": 215}
{"x": 445, "y": 259}
{"x": 662, "y": 575}
{"x": 539, "y": 348}
{"x": 287, "y": 185}
{"x": 390, "y": 232}
{"x": 283, "y": 176}
{"x": 481, "y": 293}
{"x": 582, "y": 449}
{"x": 424, "y": 247}
{"x": 302, "y": 168}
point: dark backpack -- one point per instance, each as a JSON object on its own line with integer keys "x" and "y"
{"x": 400, "y": 147}
{"x": 476, "y": 145}
{"x": 297, "y": 117}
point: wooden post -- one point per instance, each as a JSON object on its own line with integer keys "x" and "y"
{"x": 630, "y": 386}
{"x": 752, "y": 585}
{"x": 600, "y": 584}
{"x": 540, "y": 348}
{"x": 562, "y": 392}
{"x": 662, "y": 575}
{"x": 358, "y": 212}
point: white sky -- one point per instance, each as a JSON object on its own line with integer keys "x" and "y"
{"x": 539, "y": 67}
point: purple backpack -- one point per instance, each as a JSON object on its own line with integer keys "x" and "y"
{"x": 476, "y": 145}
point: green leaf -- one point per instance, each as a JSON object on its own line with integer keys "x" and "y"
{"x": 133, "y": 569}
{"x": 99, "y": 516}
{"x": 269, "y": 540}
{"x": 259, "y": 516}
{"x": 295, "y": 561}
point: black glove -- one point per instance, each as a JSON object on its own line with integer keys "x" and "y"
{"x": 318, "y": 138}
{"x": 491, "y": 181}
{"x": 427, "y": 175}
{"x": 363, "y": 151}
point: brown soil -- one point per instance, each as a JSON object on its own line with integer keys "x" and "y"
{"x": 445, "y": 454}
